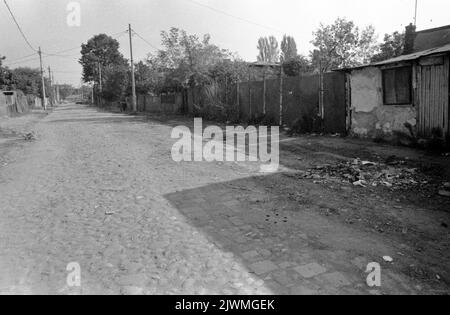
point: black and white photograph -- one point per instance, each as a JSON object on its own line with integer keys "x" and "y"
{"x": 224, "y": 156}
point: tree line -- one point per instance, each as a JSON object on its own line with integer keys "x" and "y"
{"x": 187, "y": 60}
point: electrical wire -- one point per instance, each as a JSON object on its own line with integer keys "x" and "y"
{"x": 234, "y": 16}
{"x": 18, "y": 26}
{"x": 146, "y": 41}
{"x": 24, "y": 57}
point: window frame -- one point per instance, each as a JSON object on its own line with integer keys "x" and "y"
{"x": 411, "y": 94}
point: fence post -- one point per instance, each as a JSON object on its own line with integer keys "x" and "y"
{"x": 238, "y": 102}
{"x": 250, "y": 99}
{"x": 264, "y": 93}
{"x": 281, "y": 95}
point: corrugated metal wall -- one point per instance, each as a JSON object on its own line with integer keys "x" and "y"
{"x": 300, "y": 100}
{"x": 433, "y": 96}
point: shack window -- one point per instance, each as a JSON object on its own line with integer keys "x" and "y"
{"x": 397, "y": 86}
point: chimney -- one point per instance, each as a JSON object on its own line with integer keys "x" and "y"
{"x": 410, "y": 37}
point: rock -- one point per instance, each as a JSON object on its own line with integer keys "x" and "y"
{"x": 388, "y": 259}
{"x": 446, "y": 186}
{"x": 360, "y": 183}
{"x": 444, "y": 193}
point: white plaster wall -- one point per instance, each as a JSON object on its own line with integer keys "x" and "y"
{"x": 367, "y": 93}
{"x": 370, "y": 117}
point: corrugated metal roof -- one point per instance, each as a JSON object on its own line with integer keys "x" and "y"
{"x": 410, "y": 57}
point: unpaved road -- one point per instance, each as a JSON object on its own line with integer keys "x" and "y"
{"x": 101, "y": 190}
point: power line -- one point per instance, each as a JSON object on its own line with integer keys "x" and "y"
{"x": 235, "y": 17}
{"x": 18, "y": 26}
{"x": 24, "y": 57}
{"x": 21, "y": 61}
{"x": 146, "y": 41}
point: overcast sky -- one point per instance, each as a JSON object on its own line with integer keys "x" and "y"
{"x": 233, "y": 24}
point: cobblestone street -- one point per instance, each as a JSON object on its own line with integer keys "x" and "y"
{"x": 102, "y": 190}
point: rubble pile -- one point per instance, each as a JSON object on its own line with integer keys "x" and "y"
{"x": 366, "y": 173}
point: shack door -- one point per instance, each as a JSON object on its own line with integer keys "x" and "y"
{"x": 433, "y": 96}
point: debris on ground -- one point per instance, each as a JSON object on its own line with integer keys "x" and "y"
{"x": 444, "y": 193}
{"x": 392, "y": 174}
{"x": 29, "y": 136}
{"x": 388, "y": 259}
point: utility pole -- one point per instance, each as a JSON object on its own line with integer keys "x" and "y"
{"x": 51, "y": 85}
{"x": 44, "y": 103}
{"x": 100, "y": 77}
{"x": 281, "y": 95}
{"x": 415, "y": 14}
{"x": 133, "y": 81}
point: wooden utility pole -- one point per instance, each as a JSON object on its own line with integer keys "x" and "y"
{"x": 281, "y": 95}
{"x": 44, "y": 102}
{"x": 51, "y": 84}
{"x": 415, "y": 13}
{"x": 100, "y": 85}
{"x": 133, "y": 81}
{"x": 264, "y": 91}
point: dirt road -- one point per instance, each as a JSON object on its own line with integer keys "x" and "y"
{"x": 100, "y": 189}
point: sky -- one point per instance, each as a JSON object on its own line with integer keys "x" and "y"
{"x": 233, "y": 24}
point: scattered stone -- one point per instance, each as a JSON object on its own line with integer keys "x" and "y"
{"x": 444, "y": 193}
{"x": 360, "y": 183}
{"x": 250, "y": 255}
{"x": 302, "y": 290}
{"x": 335, "y": 279}
{"x": 310, "y": 270}
{"x": 263, "y": 267}
{"x": 388, "y": 259}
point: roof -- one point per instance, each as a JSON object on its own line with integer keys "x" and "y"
{"x": 431, "y": 38}
{"x": 410, "y": 57}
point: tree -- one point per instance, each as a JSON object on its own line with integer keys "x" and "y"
{"x": 268, "y": 49}
{"x": 28, "y": 80}
{"x": 116, "y": 84}
{"x": 5, "y": 75}
{"x": 288, "y": 49}
{"x": 342, "y": 44}
{"x": 100, "y": 55}
{"x": 66, "y": 90}
{"x": 392, "y": 47}
{"x": 101, "y": 50}
{"x": 145, "y": 82}
{"x": 185, "y": 60}
{"x": 296, "y": 66}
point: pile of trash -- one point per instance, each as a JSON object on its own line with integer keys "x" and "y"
{"x": 366, "y": 173}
